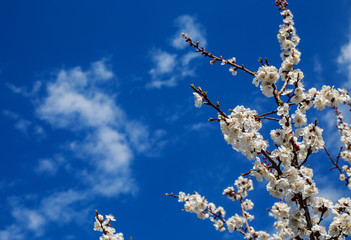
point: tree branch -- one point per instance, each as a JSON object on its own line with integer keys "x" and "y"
{"x": 215, "y": 58}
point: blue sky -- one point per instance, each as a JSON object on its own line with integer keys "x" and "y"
{"x": 97, "y": 113}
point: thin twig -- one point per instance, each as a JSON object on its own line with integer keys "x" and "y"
{"x": 336, "y": 165}
{"x": 309, "y": 152}
{"x": 215, "y": 58}
{"x": 268, "y": 113}
{"x": 243, "y": 214}
{"x": 274, "y": 165}
{"x": 208, "y": 101}
{"x": 209, "y": 211}
{"x": 269, "y": 118}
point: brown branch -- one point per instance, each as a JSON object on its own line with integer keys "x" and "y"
{"x": 276, "y": 95}
{"x": 268, "y": 113}
{"x": 215, "y": 58}
{"x": 309, "y": 152}
{"x": 243, "y": 214}
{"x": 336, "y": 165}
{"x": 209, "y": 211}
{"x": 303, "y": 205}
{"x": 269, "y": 118}
{"x": 274, "y": 165}
{"x": 284, "y": 86}
{"x": 100, "y": 221}
{"x": 208, "y": 101}
{"x": 272, "y": 112}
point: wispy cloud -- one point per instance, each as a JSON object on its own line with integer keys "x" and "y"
{"x": 332, "y": 193}
{"x": 317, "y": 65}
{"x": 171, "y": 66}
{"x": 104, "y": 143}
{"x": 50, "y": 166}
{"x": 25, "y": 126}
{"x": 344, "y": 59}
{"x": 75, "y": 102}
{"x": 60, "y": 207}
{"x": 162, "y": 74}
{"x": 11, "y": 233}
{"x": 201, "y": 126}
{"x": 189, "y": 25}
{"x": 23, "y": 90}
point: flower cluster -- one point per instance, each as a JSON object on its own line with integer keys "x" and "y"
{"x": 240, "y": 130}
{"x": 329, "y": 96}
{"x": 288, "y": 40}
{"x": 104, "y": 225}
{"x": 198, "y": 204}
{"x": 233, "y": 70}
{"x": 243, "y": 185}
{"x": 341, "y": 223}
{"x": 267, "y": 76}
{"x": 345, "y": 132}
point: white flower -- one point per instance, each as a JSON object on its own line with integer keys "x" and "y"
{"x": 248, "y": 204}
{"x": 299, "y": 118}
{"x": 240, "y": 130}
{"x": 110, "y": 217}
{"x": 182, "y": 197}
{"x": 235, "y": 222}
{"x": 97, "y": 226}
{"x": 219, "y": 226}
{"x": 198, "y": 100}
{"x": 283, "y": 110}
{"x": 233, "y": 71}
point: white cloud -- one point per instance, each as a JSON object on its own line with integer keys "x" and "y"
{"x": 29, "y": 219}
{"x": 328, "y": 184}
{"x": 186, "y": 58}
{"x": 187, "y": 24}
{"x": 101, "y": 71}
{"x": 72, "y": 101}
{"x": 24, "y": 91}
{"x": 76, "y": 103}
{"x": 12, "y": 233}
{"x": 107, "y": 142}
{"x": 39, "y": 131}
{"x": 110, "y": 150}
{"x": 141, "y": 139}
{"x": 56, "y": 206}
{"x": 201, "y": 126}
{"x": 163, "y": 70}
{"x": 317, "y": 65}
{"x": 170, "y": 68}
{"x": 164, "y": 62}
{"x": 24, "y": 125}
{"x": 159, "y": 83}
{"x": 47, "y": 166}
{"x": 344, "y": 60}
{"x": 332, "y": 193}
{"x": 60, "y": 207}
